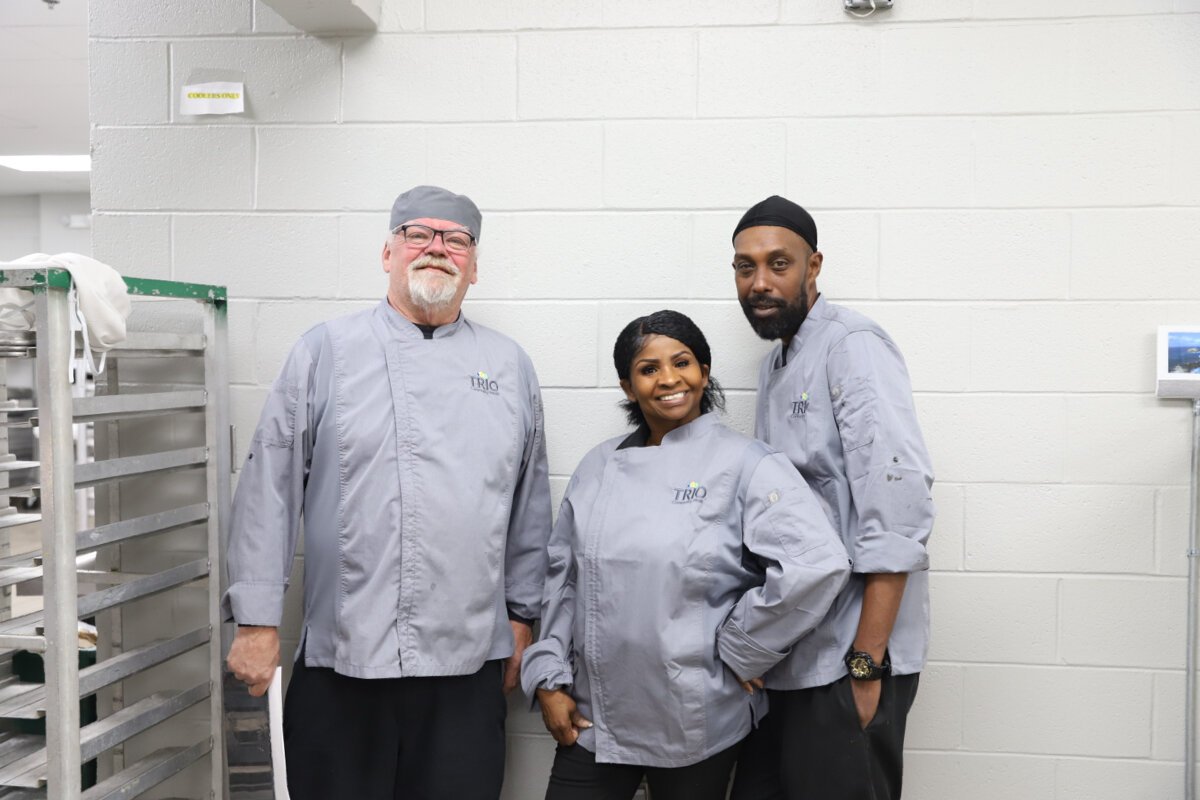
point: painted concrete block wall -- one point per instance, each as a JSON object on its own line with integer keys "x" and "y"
{"x": 1011, "y": 187}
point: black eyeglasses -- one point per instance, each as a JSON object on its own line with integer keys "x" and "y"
{"x": 422, "y": 236}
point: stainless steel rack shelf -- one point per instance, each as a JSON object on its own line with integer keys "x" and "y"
{"x": 33, "y": 766}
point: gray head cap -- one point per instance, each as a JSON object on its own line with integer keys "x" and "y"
{"x": 434, "y": 202}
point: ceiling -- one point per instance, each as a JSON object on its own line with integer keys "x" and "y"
{"x": 43, "y": 90}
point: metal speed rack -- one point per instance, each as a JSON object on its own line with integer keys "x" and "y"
{"x": 144, "y": 566}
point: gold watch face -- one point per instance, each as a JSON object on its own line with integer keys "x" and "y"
{"x": 859, "y": 667}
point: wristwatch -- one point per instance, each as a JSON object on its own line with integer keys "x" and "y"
{"x": 863, "y": 668}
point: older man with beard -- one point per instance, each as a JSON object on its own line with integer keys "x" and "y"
{"x": 410, "y": 441}
{"x": 834, "y": 396}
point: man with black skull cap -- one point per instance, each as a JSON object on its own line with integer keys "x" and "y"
{"x": 410, "y": 439}
{"x": 835, "y": 397}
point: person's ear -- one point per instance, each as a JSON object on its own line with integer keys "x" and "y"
{"x": 628, "y": 389}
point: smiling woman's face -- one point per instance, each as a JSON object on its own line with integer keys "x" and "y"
{"x": 667, "y": 383}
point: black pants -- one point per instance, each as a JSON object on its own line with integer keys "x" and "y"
{"x": 810, "y": 746}
{"x": 394, "y": 738}
{"x": 576, "y": 776}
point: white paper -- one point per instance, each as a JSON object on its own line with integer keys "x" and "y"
{"x": 223, "y": 97}
{"x": 275, "y": 713}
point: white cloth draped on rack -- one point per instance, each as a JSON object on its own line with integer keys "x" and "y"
{"x": 99, "y": 300}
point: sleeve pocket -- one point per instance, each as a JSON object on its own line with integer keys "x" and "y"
{"x": 277, "y": 426}
{"x": 790, "y": 531}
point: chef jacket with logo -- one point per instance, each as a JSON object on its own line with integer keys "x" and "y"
{"x": 841, "y": 409}
{"x": 419, "y": 466}
{"x": 674, "y": 570}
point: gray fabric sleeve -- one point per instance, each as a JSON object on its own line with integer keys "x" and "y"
{"x": 806, "y": 567}
{"x": 529, "y": 518}
{"x": 265, "y": 521}
{"x": 887, "y": 465}
{"x": 547, "y": 663}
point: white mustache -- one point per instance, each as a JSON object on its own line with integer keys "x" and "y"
{"x": 440, "y": 262}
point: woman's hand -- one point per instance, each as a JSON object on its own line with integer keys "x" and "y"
{"x": 560, "y": 716}
{"x": 751, "y": 685}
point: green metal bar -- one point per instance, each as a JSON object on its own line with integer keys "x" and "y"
{"x": 40, "y": 278}
{"x": 149, "y": 287}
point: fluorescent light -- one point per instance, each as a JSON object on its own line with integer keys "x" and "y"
{"x": 47, "y": 163}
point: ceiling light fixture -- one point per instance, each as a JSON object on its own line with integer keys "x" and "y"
{"x": 47, "y": 163}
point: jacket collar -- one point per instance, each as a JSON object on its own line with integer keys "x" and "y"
{"x": 403, "y": 327}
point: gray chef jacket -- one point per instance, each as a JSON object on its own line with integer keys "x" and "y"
{"x": 420, "y": 469}
{"x": 671, "y": 569}
{"x": 841, "y": 409}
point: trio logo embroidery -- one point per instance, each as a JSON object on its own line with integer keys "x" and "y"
{"x": 800, "y": 407}
{"x": 692, "y": 493}
{"x": 480, "y": 382}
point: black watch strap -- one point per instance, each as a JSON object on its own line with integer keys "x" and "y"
{"x": 862, "y": 666}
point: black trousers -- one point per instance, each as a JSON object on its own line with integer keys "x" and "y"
{"x": 810, "y": 746}
{"x": 576, "y": 776}
{"x": 394, "y": 738}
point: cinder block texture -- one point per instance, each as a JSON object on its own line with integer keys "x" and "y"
{"x": 135, "y": 74}
{"x": 154, "y": 18}
{"x": 946, "y": 542}
{"x": 1010, "y": 255}
{"x": 1052, "y": 161}
{"x": 1118, "y": 780}
{"x": 258, "y": 256}
{"x": 1172, "y": 513}
{"x": 1057, "y": 711}
{"x": 692, "y": 165}
{"x": 935, "y": 722}
{"x": 359, "y": 168}
{"x": 938, "y": 775}
{"x": 628, "y": 13}
{"x": 1103, "y": 265}
{"x": 608, "y": 74}
{"x": 540, "y": 334}
{"x": 1143, "y": 441}
{"x": 1148, "y": 614}
{"x": 1169, "y": 727}
{"x": 942, "y": 69}
{"x": 157, "y": 169}
{"x": 1048, "y": 528}
{"x": 808, "y": 69}
{"x": 471, "y": 15}
{"x": 528, "y": 166}
{"x": 134, "y": 244}
{"x": 286, "y": 80}
{"x": 994, "y": 618}
{"x": 881, "y": 163}
{"x": 403, "y": 78}
{"x": 995, "y": 438}
{"x": 588, "y": 255}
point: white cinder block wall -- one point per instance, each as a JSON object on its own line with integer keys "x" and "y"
{"x": 1012, "y": 187}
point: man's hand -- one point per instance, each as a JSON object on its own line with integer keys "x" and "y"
{"x": 254, "y": 656}
{"x": 866, "y": 700}
{"x": 522, "y": 638}
{"x": 560, "y": 716}
{"x": 751, "y": 685}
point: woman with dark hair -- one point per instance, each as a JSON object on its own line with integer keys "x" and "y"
{"x": 685, "y": 562}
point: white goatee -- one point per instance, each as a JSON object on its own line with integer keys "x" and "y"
{"x": 429, "y": 287}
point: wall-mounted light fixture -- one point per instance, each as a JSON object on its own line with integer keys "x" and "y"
{"x": 47, "y": 163}
{"x": 870, "y": 6}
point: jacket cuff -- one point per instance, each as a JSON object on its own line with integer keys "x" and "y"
{"x": 544, "y": 670}
{"x": 254, "y": 604}
{"x": 747, "y": 658}
{"x": 885, "y": 551}
{"x": 515, "y": 617}
{"x": 524, "y": 600}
